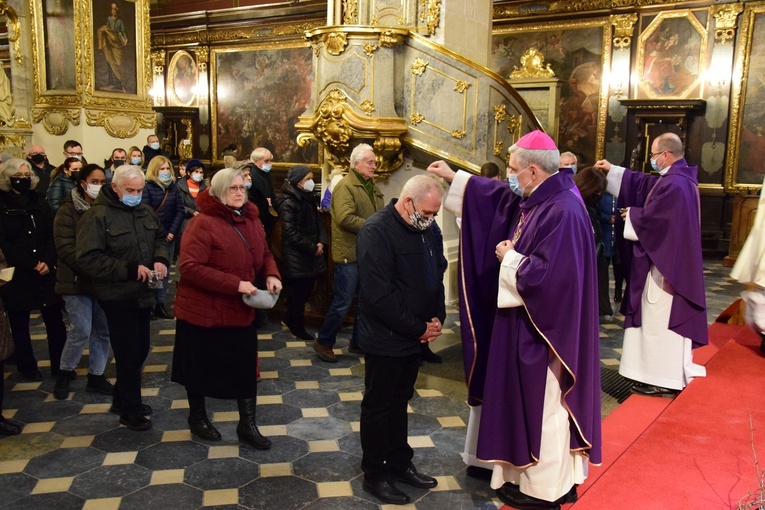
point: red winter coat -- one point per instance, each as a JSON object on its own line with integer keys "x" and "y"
{"x": 214, "y": 259}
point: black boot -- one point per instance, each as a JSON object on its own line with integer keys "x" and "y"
{"x": 61, "y": 389}
{"x": 199, "y": 424}
{"x": 161, "y": 312}
{"x": 247, "y": 430}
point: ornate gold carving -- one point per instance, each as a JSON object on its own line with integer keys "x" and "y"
{"x": 375, "y": 22}
{"x": 331, "y": 128}
{"x": 623, "y": 27}
{"x": 14, "y": 35}
{"x": 500, "y": 112}
{"x": 461, "y": 86}
{"x": 184, "y": 145}
{"x": 531, "y": 66}
{"x": 725, "y": 21}
{"x": 227, "y": 35}
{"x": 498, "y": 148}
{"x": 369, "y": 49}
{"x": 8, "y": 141}
{"x": 415, "y": 118}
{"x": 56, "y": 121}
{"x": 389, "y": 155}
{"x": 350, "y": 12}
{"x": 203, "y": 57}
{"x": 335, "y": 43}
{"x": 389, "y": 39}
{"x": 418, "y": 66}
{"x": 430, "y": 14}
{"x": 367, "y": 107}
{"x": 514, "y": 125}
{"x": 459, "y": 133}
{"x": 120, "y": 124}
{"x": 536, "y": 8}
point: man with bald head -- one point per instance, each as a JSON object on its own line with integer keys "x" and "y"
{"x": 664, "y": 307}
{"x": 41, "y": 167}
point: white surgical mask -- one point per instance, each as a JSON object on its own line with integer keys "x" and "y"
{"x": 165, "y": 177}
{"x": 197, "y": 177}
{"x": 155, "y": 146}
{"x": 93, "y": 190}
{"x": 308, "y": 185}
{"x": 247, "y": 184}
{"x": 266, "y": 167}
{"x": 135, "y": 161}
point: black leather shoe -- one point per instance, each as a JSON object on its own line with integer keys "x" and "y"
{"x": 385, "y": 490}
{"x": 511, "y": 495}
{"x": 352, "y": 349}
{"x": 8, "y": 428}
{"x": 429, "y": 356}
{"x": 161, "y": 313}
{"x": 146, "y": 409}
{"x": 478, "y": 472}
{"x": 61, "y": 389}
{"x": 410, "y": 476}
{"x": 135, "y": 421}
{"x": 99, "y": 384}
{"x": 570, "y": 497}
{"x": 32, "y": 375}
{"x": 201, "y": 427}
{"x": 300, "y": 333}
{"x": 249, "y": 433}
{"x": 649, "y": 390}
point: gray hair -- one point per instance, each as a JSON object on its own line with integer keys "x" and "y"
{"x": 547, "y": 160}
{"x": 259, "y": 154}
{"x": 670, "y": 142}
{"x": 419, "y": 186}
{"x": 221, "y": 181}
{"x": 12, "y": 166}
{"x": 357, "y": 153}
{"x": 127, "y": 172}
{"x": 570, "y": 155}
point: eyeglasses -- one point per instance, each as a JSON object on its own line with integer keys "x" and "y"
{"x": 651, "y": 155}
{"x": 234, "y": 189}
{"x": 22, "y": 176}
{"x": 73, "y": 154}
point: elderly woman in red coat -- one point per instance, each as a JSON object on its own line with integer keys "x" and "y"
{"x": 224, "y": 250}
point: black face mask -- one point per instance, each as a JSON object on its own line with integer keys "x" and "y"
{"x": 75, "y": 176}
{"x": 20, "y": 184}
{"x": 118, "y": 163}
{"x": 37, "y": 159}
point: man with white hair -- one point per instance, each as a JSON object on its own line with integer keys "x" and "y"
{"x": 121, "y": 246}
{"x": 533, "y": 376}
{"x": 401, "y": 306}
{"x": 262, "y": 191}
{"x": 568, "y": 160}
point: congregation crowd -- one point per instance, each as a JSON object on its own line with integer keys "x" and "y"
{"x": 98, "y": 242}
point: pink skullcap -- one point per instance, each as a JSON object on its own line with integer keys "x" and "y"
{"x": 536, "y": 140}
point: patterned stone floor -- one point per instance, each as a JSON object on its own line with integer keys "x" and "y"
{"x": 73, "y": 453}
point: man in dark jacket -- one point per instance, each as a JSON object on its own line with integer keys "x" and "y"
{"x": 41, "y": 167}
{"x": 401, "y": 305}
{"x": 121, "y": 246}
{"x": 261, "y": 193}
{"x": 151, "y": 149}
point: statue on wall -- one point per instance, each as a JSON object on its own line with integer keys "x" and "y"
{"x": 7, "y": 109}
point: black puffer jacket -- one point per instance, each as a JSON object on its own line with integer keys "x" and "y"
{"x": 26, "y": 238}
{"x": 68, "y": 279}
{"x": 301, "y": 231}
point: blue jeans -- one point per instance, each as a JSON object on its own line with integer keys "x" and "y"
{"x": 344, "y": 285}
{"x": 161, "y": 294}
{"x": 87, "y": 322}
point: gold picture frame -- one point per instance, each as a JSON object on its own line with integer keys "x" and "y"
{"x": 671, "y": 60}
{"x": 745, "y": 167}
{"x": 57, "y": 82}
{"x": 182, "y": 79}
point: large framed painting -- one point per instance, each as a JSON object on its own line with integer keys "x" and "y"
{"x": 671, "y": 57}
{"x": 577, "y": 52}
{"x": 745, "y": 165}
{"x": 53, "y": 50}
{"x": 258, "y": 94}
{"x": 182, "y": 76}
{"x": 114, "y": 41}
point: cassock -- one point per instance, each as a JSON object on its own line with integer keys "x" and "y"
{"x": 530, "y": 332}
{"x": 665, "y": 306}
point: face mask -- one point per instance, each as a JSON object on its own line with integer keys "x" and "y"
{"x": 572, "y": 167}
{"x": 119, "y": 162}
{"x": 419, "y": 221}
{"x": 135, "y": 161}
{"x": 37, "y": 159}
{"x": 266, "y": 167}
{"x": 655, "y": 164}
{"x": 20, "y": 184}
{"x": 130, "y": 200}
{"x": 165, "y": 177}
{"x": 78, "y": 157}
{"x": 308, "y": 185}
{"x": 155, "y": 146}
{"x": 515, "y": 187}
{"x": 75, "y": 175}
{"x": 93, "y": 190}
{"x": 199, "y": 177}
{"x": 247, "y": 185}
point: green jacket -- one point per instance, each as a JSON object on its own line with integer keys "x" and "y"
{"x": 112, "y": 241}
{"x": 350, "y": 208}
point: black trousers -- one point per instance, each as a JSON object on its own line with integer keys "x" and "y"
{"x": 56, "y": 332}
{"x": 129, "y": 334}
{"x": 300, "y": 291}
{"x": 389, "y": 386}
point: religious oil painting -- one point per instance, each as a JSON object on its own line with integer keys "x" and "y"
{"x": 58, "y": 37}
{"x": 114, "y": 46}
{"x": 746, "y": 164}
{"x": 182, "y": 80}
{"x": 672, "y": 57}
{"x": 576, "y": 53}
{"x": 259, "y": 94}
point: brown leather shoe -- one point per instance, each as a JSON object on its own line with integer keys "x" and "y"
{"x": 325, "y": 353}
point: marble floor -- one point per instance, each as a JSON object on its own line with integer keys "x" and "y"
{"x": 74, "y": 454}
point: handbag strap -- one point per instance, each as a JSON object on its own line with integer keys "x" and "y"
{"x": 241, "y": 236}
{"x": 164, "y": 199}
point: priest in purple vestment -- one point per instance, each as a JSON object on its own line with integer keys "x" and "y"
{"x": 664, "y": 307}
{"x": 529, "y": 312}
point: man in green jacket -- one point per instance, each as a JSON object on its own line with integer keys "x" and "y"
{"x": 354, "y": 199}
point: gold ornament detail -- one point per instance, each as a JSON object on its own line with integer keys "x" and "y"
{"x": 430, "y": 14}
{"x": 120, "y": 124}
{"x": 369, "y": 49}
{"x": 725, "y": 21}
{"x": 500, "y": 112}
{"x": 331, "y": 128}
{"x": 185, "y": 149}
{"x": 415, "y": 118}
{"x": 14, "y": 36}
{"x": 335, "y": 43}
{"x": 498, "y": 148}
{"x": 459, "y": 133}
{"x": 418, "y": 66}
{"x": 375, "y": 22}
{"x": 461, "y": 86}
{"x": 389, "y": 39}
{"x": 532, "y": 63}
{"x": 624, "y": 24}
{"x": 56, "y": 121}
{"x": 367, "y": 107}
{"x": 514, "y": 124}
{"x": 8, "y": 141}
{"x": 350, "y": 12}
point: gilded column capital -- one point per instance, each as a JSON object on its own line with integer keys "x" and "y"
{"x": 726, "y": 20}
{"x": 350, "y": 12}
{"x": 158, "y": 61}
{"x": 624, "y": 25}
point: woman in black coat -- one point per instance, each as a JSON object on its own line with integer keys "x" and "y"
{"x": 303, "y": 242}
{"x": 26, "y": 239}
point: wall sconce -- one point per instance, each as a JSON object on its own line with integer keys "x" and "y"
{"x": 719, "y": 73}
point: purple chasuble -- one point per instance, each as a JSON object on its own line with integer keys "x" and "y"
{"x": 665, "y": 214}
{"x": 507, "y": 350}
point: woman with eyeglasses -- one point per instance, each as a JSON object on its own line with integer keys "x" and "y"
{"x": 26, "y": 238}
{"x": 224, "y": 250}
